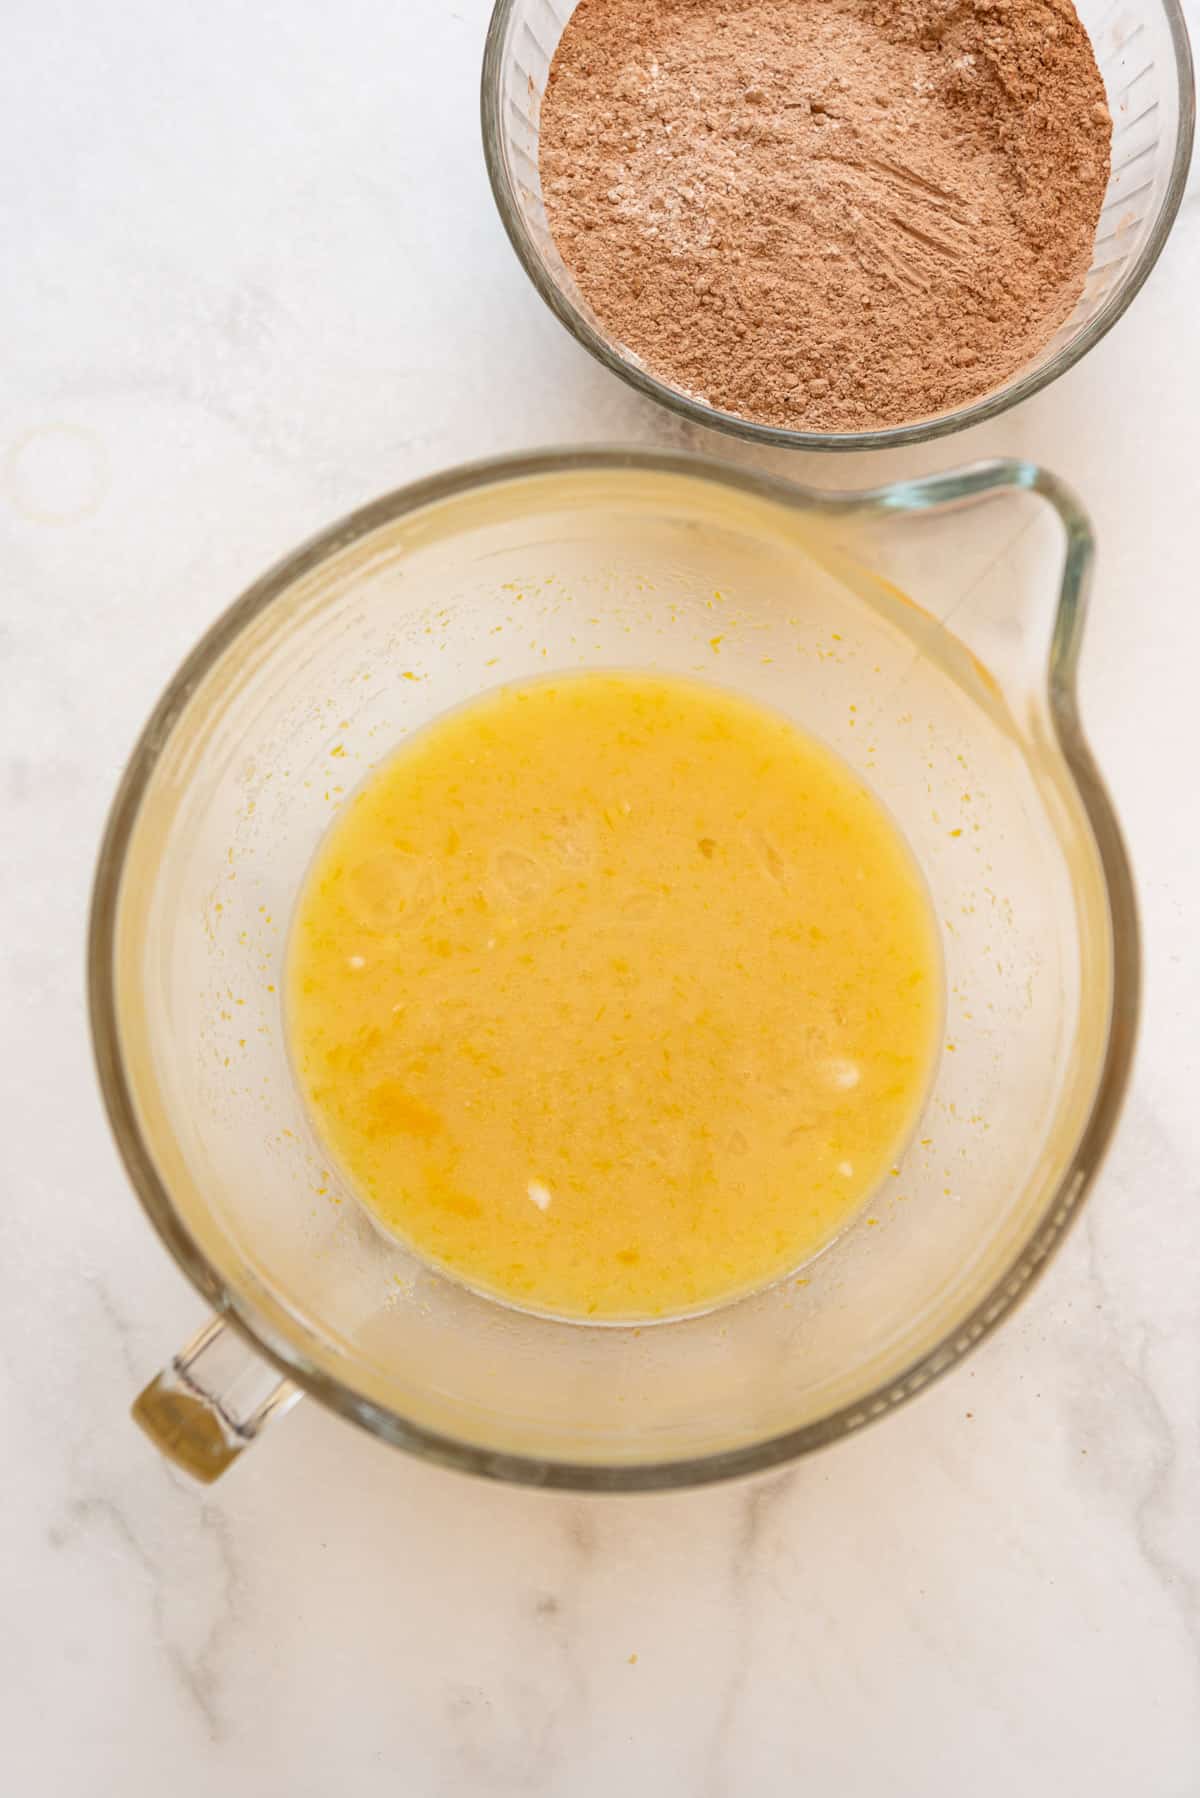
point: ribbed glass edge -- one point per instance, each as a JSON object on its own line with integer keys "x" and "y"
{"x": 935, "y": 493}
{"x": 924, "y": 430}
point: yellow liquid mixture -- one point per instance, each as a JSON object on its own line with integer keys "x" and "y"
{"x": 614, "y": 995}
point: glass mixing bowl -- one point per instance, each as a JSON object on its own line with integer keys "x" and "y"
{"x": 955, "y": 705}
{"x": 1142, "y": 49}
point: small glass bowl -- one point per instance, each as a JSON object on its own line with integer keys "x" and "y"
{"x": 1143, "y": 52}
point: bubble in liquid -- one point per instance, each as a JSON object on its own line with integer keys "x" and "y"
{"x": 641, "y": 906}
{"x": 390, "y": 889}
{"x": 574, "y": 841}
{"x": 540, "y": 1194}
{"x": 768, "y": 857}
{"x": 516, "y": 878}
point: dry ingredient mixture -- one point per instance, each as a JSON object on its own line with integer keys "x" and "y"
{"x": 827, "y": 214}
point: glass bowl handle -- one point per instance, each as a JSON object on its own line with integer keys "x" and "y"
{"x": 210, "y": 1403}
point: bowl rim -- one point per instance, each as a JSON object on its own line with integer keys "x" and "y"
{"x": 252, "y": 1319}
{"x": 695, "y": 411}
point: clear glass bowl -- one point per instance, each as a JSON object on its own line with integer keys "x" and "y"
{"x": 1143, "y": 52}
{"x": 955, "y": 705}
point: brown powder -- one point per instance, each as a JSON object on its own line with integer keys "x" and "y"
{"x": 827, "y": 214}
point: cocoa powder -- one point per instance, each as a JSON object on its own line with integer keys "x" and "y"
{"x": 827, "y": 214}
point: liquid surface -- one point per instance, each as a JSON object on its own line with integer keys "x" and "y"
{"x": 614, "y": 995}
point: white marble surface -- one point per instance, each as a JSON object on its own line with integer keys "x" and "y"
{"x": 253, "y": 276}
